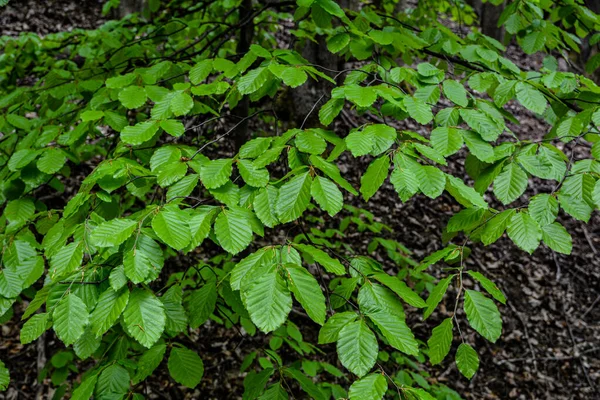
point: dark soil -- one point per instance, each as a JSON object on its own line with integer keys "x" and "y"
{"x": 550, "y": 346}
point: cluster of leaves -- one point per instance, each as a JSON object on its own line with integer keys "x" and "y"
{"x": 113, "y": 115}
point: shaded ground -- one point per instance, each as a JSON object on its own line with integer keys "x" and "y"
{"x": 550, "y": 345}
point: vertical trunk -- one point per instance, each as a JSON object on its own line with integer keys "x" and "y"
{"x": 489, "y": 15}
{"x": 127, "y": 7}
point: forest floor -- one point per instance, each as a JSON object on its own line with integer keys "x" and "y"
{"x": 550, "y": 346}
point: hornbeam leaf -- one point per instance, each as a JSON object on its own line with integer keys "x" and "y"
{"x": 357, "y": 347}
{"x": 374, "y": 177}
{"x": 185, "y": 366}
{"x": 371, "y": 387}
{"x": 171, "y": 226}
{"x": 144, "y": 317}
{"x": 267, "y": 298}
{"x": 483, "y": 315}
{"x": 110, "y": 305}
{"x": 327, "y": 195}
{"x": 70, "y": 318}
{"x": 524, "y": 232}
{"x": 233, "y": 230}
{"x": 307, "y": 291}
{"x": 440, "y": 341}
{"x": 294, "y": 197}
{"x": 467, "y": 360}
{"x": 113, "y": 232}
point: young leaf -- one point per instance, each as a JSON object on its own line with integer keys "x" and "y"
{"x": 374, "y": 177}
{"x": 267, "y": 299}
{"x": 357, "y": 347}
{"x": 307, "y": 291}
{"x": 110, "y": 305}
{"x": 446, "y": 141}
{"x": 185, "y": 366}
{"x": 524, "y": 232}
{"x": 455, "y": 92}
{"x": 488, "y": 285}
{"x": 483, "y": 315}
{"x": 371, "y": 387}
{"x": 330, "y": 264}
{"x": 467, "y": 360}
{"x": 294, "y": 197}
{"x": 233, "y": 230}
{"x": 70, "y": 318}
{"x": 440, "y": 341}
{"x": 557, "y": 238}
{"x": 148, "y": 362}
{"x": 329, "y": 333}
{"x": 531, "y": 98}
{"x": 34, "y": 327}
{"x": 510, "y": 184}
{"x": 144, "y": 317}
{"x": 436, "y": 295}
{"x": 113, "y": 232}
{"x": 327, "y": 195}
{"x": 171, "y": 226}
{"x": 418, "y": 110}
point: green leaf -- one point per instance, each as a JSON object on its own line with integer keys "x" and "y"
{"x": 4, "y": 376}
{"x": 274, "y": 392}
{"x": 374, "y": 177}
{"x": 482, "y": 123}
{"x": 496, "y": 226}
{"x": 467, "y": 360}
{"x": 307, "y": 291}
{"x": 357, "y": 347}
{"x": 360, "y": 143}
{"x": 70, "y": 318}
{"x": 543, "y": 208}
{"x": 173, "y": 127}
{"x": 51, "y": 161}
{"x": 171, "y": 226}
{"x": 431, "y": 181}
{"x": 395, "y": 330}
{"x": 67, "y": 259}
{"x": 418, "y": 110}
{"x": 309, "y": 142}
{"x": 200, "y": 71}
{"x": 34, "y": 327}
{"x": 440, "y": 341}
{"x": 330, "y": 110}
{"x": 294, "y": 197}
{"x": 510, "y": 184}
{"x": 202, "y": 304}
{"x": 148, "y": 362}
{"x": 267, "y": 298}
{"x": 113, "y": 232}
{"x": 185, "y": 366}
{"x": 362, "y": 96}
{"x": 338, "y": 42}
{"x": 86, "y": 389}
{"x": 524, "y": 232}
{"x": 488, "y": 285}
{"x": 483, "y": 315}
{"x": 465, "y": 195}
{"x": 253, "y": 80}
{"x": 233, "y": 230}
{"x": 181, "y": 103}
{"x": 401, "y": 289}
{"x": 113, "y": 383}
{"x": 216, "y": 173}
{"x": 455, "y": 92}
{"x": 293, "y": 76}
{"x": 133, "y": 97}
{"x": 436, "y": 295}
{"x": 144, "y": 317}
{"x": 327, "y": 195}
{"x": 531, "y": 98}
{"x": 264, "y": 205}
{"x": 557, "y": 238}
{"x": 534, "y": 41}
{"x": 87, "y": 344}
{"x": 139, "y": 133}
{"x": 330, "y": 264}
{"x": 371, "y": 387}
{"x": 329, "y": 333}
{"x": 19, "y": 211}
{"x": 110, "y": 305}
{"x": 446, "y": 141}
{"x": 91, "y": 115}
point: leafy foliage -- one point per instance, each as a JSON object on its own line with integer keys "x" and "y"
{"x": 168, "y": 228}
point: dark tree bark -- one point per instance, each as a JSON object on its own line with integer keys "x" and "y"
{"x": 489, "y": 15}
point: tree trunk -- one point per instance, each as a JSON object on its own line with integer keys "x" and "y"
{"x": 489, "y": 15}
{"x": 127, "y": 7}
